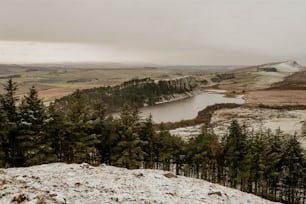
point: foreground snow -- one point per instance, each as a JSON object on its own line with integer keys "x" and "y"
{"x": 81, "y": 183}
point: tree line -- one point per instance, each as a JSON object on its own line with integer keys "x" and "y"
{"x": 267, "y": 164}
{"x": 135, "y": 92}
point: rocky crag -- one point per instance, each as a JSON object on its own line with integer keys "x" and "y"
{"x": 185, "y": 83}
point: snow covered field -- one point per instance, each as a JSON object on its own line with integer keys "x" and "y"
{"x": 289, "y": 122}
{"x": 186, "y": 133}
{"x": 289, "y": 66}
{"x": 81, "y": 183}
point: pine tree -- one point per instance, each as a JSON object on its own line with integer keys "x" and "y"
{"x": 9, "y": 108}
{"x": 169, "y": 151}
{"x": 80, "y": 138}
{"x": 274, "y": 162}
{"x": 56, "y": 131}
{"x": 163, "y": 149}
{"x": 203, "y": 155}
{"x": 33, "y": 139}
{"x": 108, "y": 138}
{"x": 128, "y": 151}
{"x": 147, "y": 135}
{"x": 234, "y": 152}
{"x": 256, "y": 164}
{"x": 9, "y": 100}
{"x": 293, "y": 162}
{"x": 217, "y": 159}
{"x": 3, "y": 138}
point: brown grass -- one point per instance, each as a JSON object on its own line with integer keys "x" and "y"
{"x": 56, "y": 84}
{"x": 276, "y": 97}
{"x": 296, "y": 81}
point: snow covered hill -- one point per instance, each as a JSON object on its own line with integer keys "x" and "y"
{"x": 81, "y": 183}
{"x": 287, "y": 66}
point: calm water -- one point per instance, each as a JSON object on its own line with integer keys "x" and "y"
{"x": 185, "y": 109}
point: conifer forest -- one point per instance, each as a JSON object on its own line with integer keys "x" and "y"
{"x": 271, "y": 165}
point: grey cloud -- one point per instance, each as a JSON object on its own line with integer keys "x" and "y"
{"x": 166, "y": 31}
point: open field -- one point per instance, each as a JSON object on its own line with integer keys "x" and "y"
{"x": 275, "y": 100}
{"x": 266, "y": 76}
{"x": 276, "y": 97}
{"x": 259, "y": 87}
{"x": 287, "y": 122}
{"x": 295, "y": 81}
{"x": 262, "y": 119}
{"x": 55, "y": 83}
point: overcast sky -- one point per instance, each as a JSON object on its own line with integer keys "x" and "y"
{"x": 156, "y": 31}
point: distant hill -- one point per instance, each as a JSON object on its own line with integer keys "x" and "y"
{"x": 283, "y": 66}
{"x": 8, "y": 68}
{"x": 263, "y": 76}
{"x": 206, "y": 68}
{"x": 136, "y": 92}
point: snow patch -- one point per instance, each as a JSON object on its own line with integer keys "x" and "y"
{"x": 260, "y": 119}
{"x": 81, "y": 183}
{"x": 186, "y": 133}
{"x": 287, "y": 66}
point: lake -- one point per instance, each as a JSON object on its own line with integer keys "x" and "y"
{"x": 185, "y": 109}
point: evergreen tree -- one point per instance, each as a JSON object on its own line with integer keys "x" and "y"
{"x": 128, "y": 151}
{"x": 3, "y": 138}
{"x": 169, "y": 151}
{"x": 147, "y": 135}
{"x": 293, "y": 168}
{"x": 234, "y": 152}
{"x": 274, "y": 162}
{"x": 9, "y": 100}
{"x": 255, "y": 164}
{"x": 56, "y": 131}
{"x": 35, "y": 145}
{"x": 216, "y": 159}
{"x": 203, "y": 155}
{"x": 108, "y": 138}
{"x": 98, "y": 129}
{"x": 9, "y": 109}
{"x": 80, "y": 138}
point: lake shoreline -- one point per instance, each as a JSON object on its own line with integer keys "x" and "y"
{"x": 187, "y": 104}
{"x": 187, "y": 95}
{"x": 178, "y": 97}
{"x": 186, "y": 107}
